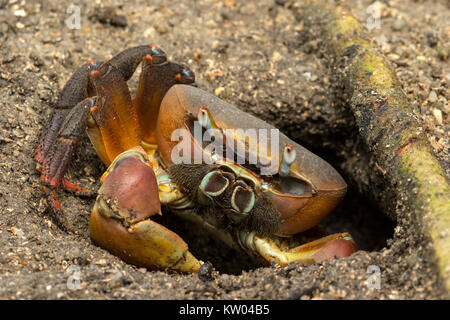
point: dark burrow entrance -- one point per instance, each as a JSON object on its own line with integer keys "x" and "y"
{"x": 356, "y": 214}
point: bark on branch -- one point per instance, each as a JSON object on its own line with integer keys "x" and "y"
{"x": 386, "y": 122}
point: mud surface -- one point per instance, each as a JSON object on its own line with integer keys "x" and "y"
{"x": 253, "y": 54}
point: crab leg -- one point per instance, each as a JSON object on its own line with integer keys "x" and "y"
{"x": 295, "y": 249}
{"x": 73, "y": 92}
{"x": 156, "y": 78}
{"x": 120, "y": 221}
{"x": 114, "y": 113}
{"x": 56, "y": 163}
{"x": 78, "y": 88}
{"x": 60, "y": 153}
{"x": 128, "y": 60}
{"x": 59, "y": 156}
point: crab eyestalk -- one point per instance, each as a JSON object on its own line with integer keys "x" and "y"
{"x": 205, "y": 119}
{"x": 120, "y": 221}
{"x": 287, "y": 160}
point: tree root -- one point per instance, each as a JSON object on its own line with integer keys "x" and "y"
{"x": 386, "y": 123}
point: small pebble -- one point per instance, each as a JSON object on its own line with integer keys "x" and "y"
{"x": 432, "y": 97}
{"x": 142, "y": 270}
{"x": 438, "y": 116}
{"x": 381, "y": 39}
{"x": 398, "y": 25}
{"x": 443, "y": 51}
{"x": 205, "y": 272}
{"x": 20, "y": 13}
{"x": 117, "y": 278}
{"x": 219, "y": 90}
{"x": 276, "y": 56}
{"x": 393, "y": 56}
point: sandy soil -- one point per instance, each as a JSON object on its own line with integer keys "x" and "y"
{"x": 254, "y": 55}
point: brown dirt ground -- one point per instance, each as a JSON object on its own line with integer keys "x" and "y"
{"x": 254, "y": 55}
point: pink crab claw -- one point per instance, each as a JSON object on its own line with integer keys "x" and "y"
{"x": 120, "y": 221}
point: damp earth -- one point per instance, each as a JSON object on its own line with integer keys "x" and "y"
{"x": 255, "y": 55}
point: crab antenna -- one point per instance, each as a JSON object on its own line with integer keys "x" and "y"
{"x": 289, "y": 156}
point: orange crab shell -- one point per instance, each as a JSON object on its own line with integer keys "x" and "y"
{"x": 325, "y": 187}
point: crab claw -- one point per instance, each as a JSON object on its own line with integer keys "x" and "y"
{"x": 120, "y": 221}
{"x": 286, "y": 250}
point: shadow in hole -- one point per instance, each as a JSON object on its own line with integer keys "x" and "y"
{"x": 204, "y": 246}
{"x": 356, "y": 214}
{"x": 369, "y": 228}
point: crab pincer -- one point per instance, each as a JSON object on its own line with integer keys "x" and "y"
{"x": 121, "y": 219}
{"x": 282, "y": 251}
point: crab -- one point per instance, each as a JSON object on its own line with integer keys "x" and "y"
{"x": 251, "y": 186}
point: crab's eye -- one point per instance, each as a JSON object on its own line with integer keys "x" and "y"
{"x": 289, "y": 154}
{"x": 214, "y": 184}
